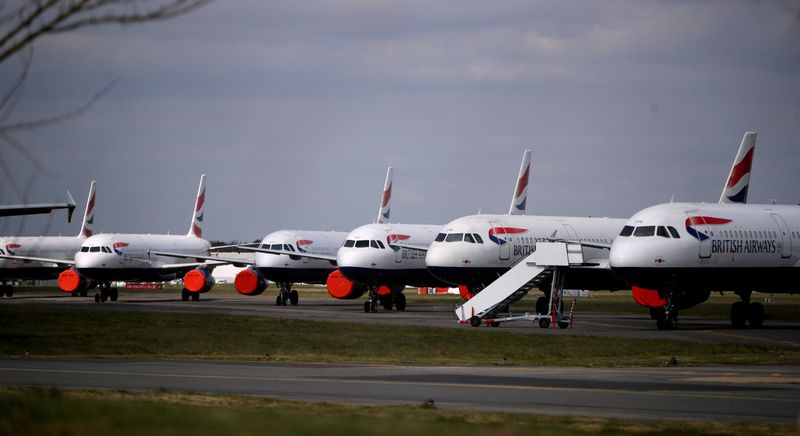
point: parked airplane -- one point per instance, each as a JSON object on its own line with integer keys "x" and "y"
{"x": 696, "y": 248}
{"x": 34, "y": 209}
{"x": 14, "y": 250}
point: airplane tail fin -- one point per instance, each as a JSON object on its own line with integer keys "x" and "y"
{"x": 521, "y": 190}
{"x": 386, "y": 198}
{"x": 196, "y": 227}
{"x": 88, "y": 214}
{"x": 735, "y": 190}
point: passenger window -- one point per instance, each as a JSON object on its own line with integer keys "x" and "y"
{"x": 349, "y": 243}
{"x": 94, "y": 249}
{"x": 645, "y": 231}
{"x": 478, "y": 238}
{"x": 380, "y": 244}
{"x": 364, "y": 243}
{"x": 626, "y": 231}
{"x": 454, "y": 237}
{"x": 84, "y": 249}
{"x": 673, "y": 232}
{"x": 440, "y": 237}
{"x": 469, "y": 238}
{"x": 662, "y": 231}
{"x": 373, "y": 244}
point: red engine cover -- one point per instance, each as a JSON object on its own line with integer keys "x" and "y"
{"x": 341, "y": 288}
{"x": 69, "y": 280}
{"x": 249, "y": 282}
{"x": 198, "y": 280}
{"x": 647, "y": 297}
{"x": 465, "y": 293}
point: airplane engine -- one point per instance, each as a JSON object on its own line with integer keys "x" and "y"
{"x": 198, "y": 281}
{"x": 72, "y": 281}
{"x": 343, "y": 289}
{"x": 250, "y": 282}
{"x": 465, "y": 292}
{"x": 647, "y": 297}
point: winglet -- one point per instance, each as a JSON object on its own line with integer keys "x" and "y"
{"x": 88, "y": 214}
{"x": 70, "y": 206}
{"x": 735, "y": 189}
{"x": 386, "y": 198}
{"x": 196, "y": 227}
{"x": 521, "y": 190}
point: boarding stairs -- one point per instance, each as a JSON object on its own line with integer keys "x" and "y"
{"x": 549, "y": 262}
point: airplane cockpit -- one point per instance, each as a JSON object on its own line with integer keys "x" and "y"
{"x": 472, "y": 238}
{"x": 95, "y": 249}
{"x": 364, "y": 243}
{"x": 647, "y": 231}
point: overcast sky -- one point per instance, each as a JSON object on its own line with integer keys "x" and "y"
{"x": 294, "y": 109}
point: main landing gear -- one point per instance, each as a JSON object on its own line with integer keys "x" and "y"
{"x": 106, "y": 293}
{"x": 186, "y": 295}
{"x": 6, "y": 291}
{"x": 286, "y": 293}
{"x": 666, "y": 317}
{"x": 744, "y": 311}
{"x": 395, "y": 299}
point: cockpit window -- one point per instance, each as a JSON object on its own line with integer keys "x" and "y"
{"x": 2, "y": 252}
{"x": 362, "y": 243}
{"x": 276, "y": 247}
{"x": 673, "y": 232}
{"x": 373, "y": 244}
{"x": 454, "y": 237}
{"x": 645, "y": 231}
{"x": 380, "y": 244}
{"x": 106, "y": 250}
{"x": 440, "y": 237}
{"x": 626, "y": 231}
{"x": 662, "y": 231}
{"x": 84, "y": 249}
{"x": 468, "y": 238}
{"x": 264, "y": 246}
{"x": 288, "y": 247}
{"x": 349, "y": 243}
{"x": 94, "y": 249}
{"x": 478, "y": 238}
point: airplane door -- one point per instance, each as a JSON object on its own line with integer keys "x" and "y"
{"x": 503, "y": 238}
{"x": 698, "y": 223}
{"x": 571, "y": 234}
{"x": 783, "y": 235}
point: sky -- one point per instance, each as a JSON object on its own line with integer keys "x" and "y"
{"x": 296, "y": 109}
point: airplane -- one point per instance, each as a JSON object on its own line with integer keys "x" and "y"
{"x": 472, "y": 263}
{"x": 739, "y": 248}
{"x": 40, "y": 208}
{"x": 62, "y": 247}
{"x": 277, "y": 257}
{"x": 105, "y": 258}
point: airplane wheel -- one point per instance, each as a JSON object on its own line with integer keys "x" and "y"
{"x": 195, "y": 296}
{"x": 294, "y": 297}
{"x": 563, "y": 324}
{"x": 386, "y": 301}
{"x": 400, "y": 302}
{"x": 114, "y": 294}
{"x": 668, "y": 322}
{"x": 184, "y": 294}
{"x": 96, "y": 298}
{"x": 366, "y": 307}
{"x": 475, "y": 321}
{"x": 541, "y": 305}
{"x": 494, "y": 324}
{"x": 278, "y": 299}
{"x": 755, "y": 315}
{"x": 738, "y": 314}
{"x": 103, "y": 295}
{"x": 544, "y": 323}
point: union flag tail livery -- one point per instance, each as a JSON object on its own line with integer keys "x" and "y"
{"x": 196, "y": 227}
{"x": 88, "y": 214}
{"x": 386, "y": 199}
{"x": 735, "y": 190}
{"x": 520, "y": 197}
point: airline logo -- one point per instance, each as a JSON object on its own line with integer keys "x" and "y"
{"x": 385, "y": 209}
{"x": 198, "y": 214}
{"x": 693, "y": 221}
{"x": 119, "y": 247}
{"x": 302, "y": 244}
{"x": 737, "y": 192}
{"x": 521, "y": 194}
{"x": 11, "y": 247}
{"x": 87, "y": 228}
{"x": 396, "y": 237}
{"x": 495, "y": 231}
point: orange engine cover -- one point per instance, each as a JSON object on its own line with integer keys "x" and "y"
{"x": 69, "y": 280}
{"x": 250, "y": 282}
{"x": 465, "y": 292}
{"x": 341, "y": 288}
{"x": 647, "y": 297}
{"x": 198, "y": 280}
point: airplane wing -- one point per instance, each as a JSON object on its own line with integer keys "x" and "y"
{"x": 65, "y": 262}
{"x": 331, "y": 259}
{"x": 35, "y": 209}
{"x": 198, "y": 258}
{"x": 408, "y": 247}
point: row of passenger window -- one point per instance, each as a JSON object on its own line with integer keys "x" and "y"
{"x": 663, "y": 231}
{"x": 473, "y": 238}
{"x": 364, "y": 243}
{"x": 96, "y": 249}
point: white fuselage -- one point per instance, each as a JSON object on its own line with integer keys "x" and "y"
{"x": 51, "y": 247}
{"x": 475, "y": 250}
{"x": 368, "y": 258}
{"x": 293, "y": 269}
{"x": 126, "y": 257}
{"x": 734, "y": 247}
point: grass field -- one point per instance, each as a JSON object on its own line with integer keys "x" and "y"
{"x": 75, "y": 332}
{"x": 36, "y": 411}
